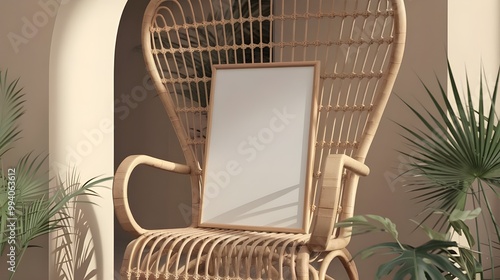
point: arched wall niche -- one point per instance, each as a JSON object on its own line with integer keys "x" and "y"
{"x": 158, "y": 199}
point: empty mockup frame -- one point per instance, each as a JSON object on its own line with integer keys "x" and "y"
{"x": 257, "y": 168}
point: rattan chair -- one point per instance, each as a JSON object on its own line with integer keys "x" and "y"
{"x": 359, "y": 44}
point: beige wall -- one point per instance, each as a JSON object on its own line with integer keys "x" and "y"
{"x": 474, "y": 41}
{"x": 474, "y": 36}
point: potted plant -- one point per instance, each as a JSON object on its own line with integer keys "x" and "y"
{"x": 28, "y": 207}
{"x": 454, "y": 170}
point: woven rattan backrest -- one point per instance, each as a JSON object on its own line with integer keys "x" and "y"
{"x": 356, "y": 42}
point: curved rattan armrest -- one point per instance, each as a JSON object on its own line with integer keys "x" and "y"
{"x": 120, "y": 186}
{"x": 322, "y": 230}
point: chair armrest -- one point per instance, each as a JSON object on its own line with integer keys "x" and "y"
{"x": 331, "y": 185}
{"x": 120, "y": 186}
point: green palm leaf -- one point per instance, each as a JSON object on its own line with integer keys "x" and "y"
{"x": 455, "y": 159}
{"x": 461, "y": 147}
{"x": 428, "y": 261}
{"x": 44, "y": 215}
{"x": 11, "y": 109}
{"x": 362, "y": 224}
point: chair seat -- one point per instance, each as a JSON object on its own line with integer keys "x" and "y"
{"x": 208, "y": 253}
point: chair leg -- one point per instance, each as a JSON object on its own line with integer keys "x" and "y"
{"x": 346, "y": 260}
{"x": 349, "y": 265}
{"x": 303, "y": 263}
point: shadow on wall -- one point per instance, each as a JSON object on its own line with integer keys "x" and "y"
{"x": 76, "y": 249}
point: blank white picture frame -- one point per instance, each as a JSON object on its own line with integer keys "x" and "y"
{"x": 257, "y": 168}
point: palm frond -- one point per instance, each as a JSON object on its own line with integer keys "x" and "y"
{"x": 459, "y": 148}
{"x": 44, "y": 215}
{"x": 455, "y": 159}
{"x": 11, "y": 109}
{"x": 31, "y": 176}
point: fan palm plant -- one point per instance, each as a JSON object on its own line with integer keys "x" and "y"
{"x": 454, "y": 170}
{"x": 28, "y": 208}
{"x": 456, "y": 165}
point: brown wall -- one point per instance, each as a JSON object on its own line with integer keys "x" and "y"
{"x": 25, "y": 32}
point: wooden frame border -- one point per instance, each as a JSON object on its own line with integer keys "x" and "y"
{"x": 310, "y": 150}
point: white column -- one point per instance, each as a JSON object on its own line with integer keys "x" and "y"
{"x": 474, "y": 39}
{"x": 81, "y": 109}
